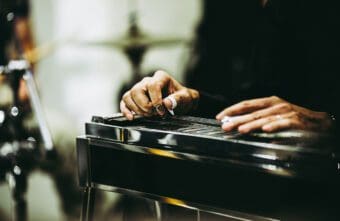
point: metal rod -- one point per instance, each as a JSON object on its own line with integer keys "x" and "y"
{"x": 17, "y": 182}
{"x": 87, "y": 213}
{"x": 37, "y": 109}
{"x": 158, "y": 211}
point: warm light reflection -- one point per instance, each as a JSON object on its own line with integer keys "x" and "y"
{"x": 162, "y": 153}
{"x": 175, "y": 202}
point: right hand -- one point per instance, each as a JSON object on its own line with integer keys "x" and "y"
{"x": 153, "y": 92}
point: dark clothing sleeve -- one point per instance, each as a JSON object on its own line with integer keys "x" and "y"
{"x": 289, "y": 49}
{"x": 209, "y": 105}
{"x": 21, "y": 8}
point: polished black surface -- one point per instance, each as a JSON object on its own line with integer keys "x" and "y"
{"x": 290, "y": 153}
{"x": 287, "y": 176}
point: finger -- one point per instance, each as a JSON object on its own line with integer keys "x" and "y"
{"x": 131, "y": 105}
{"x": 286, "y": 123}
{"x": 138, "y": 95}
{"x": 236, "y": 121}
{"x": 170, "y": 102}
{"x": 257, "y": 124}
{"x": 155, "y": 87}
{"x": 245, "y": 107}
{"x": 155, "y": 94}
{"x": 126, "y": 112}
{"x": 183, "y": 101}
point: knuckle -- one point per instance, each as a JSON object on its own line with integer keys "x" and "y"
{"x": 274, "y": 98}
{"x": 160, "y": 73}
{"x": 245, "y": 103}
{"x": 190, "y": 96}
{"x": 296, "y": 115}
{"x": 148, "y": 106}
{"x": 272, "y": 118}
{"x": 289, "y": 123}
{"x": 294, "y": 123}
{"x": 145, "y": 79}
{"x": 186, "y": 92}
{"x": 152, "y": 85}
{"x": 256, "y": 116}
{"x": 149, "y": 85}
{"x": 135, "y": 87}
{"x": 284, "y": 106}
{"x": 126, "y": 95}
{"x": 181, "y": 97}
{"x": 133, "y": 92}
{"x": 158, "y": 85}
{"x": 185, "y": 95}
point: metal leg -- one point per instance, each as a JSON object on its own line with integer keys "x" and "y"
{"x": 158, "y": 210}
{"x": 17, "y": 180}
{"x": 88, "y": 204}
{"x": 38, "y": 111}
{"x": 198, "y": 215}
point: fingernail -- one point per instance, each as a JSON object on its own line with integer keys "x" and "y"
{"x": 243, "y": 129}
{"x": 171, "y": 112}
{"x": 226, "y": 119}
{"x": 266, "y": 128}
{"x": 227, "y": 126}
{"x": 129, "y": 116}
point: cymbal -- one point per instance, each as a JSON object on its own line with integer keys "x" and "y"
{"x": 137, "y": 42}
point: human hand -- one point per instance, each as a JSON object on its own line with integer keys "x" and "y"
{"x": 272, "y": 114}
{"x": 153, "y": 94}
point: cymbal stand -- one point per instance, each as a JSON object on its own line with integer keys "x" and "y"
{"x": 19, "y": 151}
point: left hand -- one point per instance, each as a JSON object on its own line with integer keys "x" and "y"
{"x": 272, "y": 114}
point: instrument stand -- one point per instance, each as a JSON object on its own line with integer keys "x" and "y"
{"x": 20, "y": 152}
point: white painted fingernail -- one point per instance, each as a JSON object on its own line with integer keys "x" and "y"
{"x": 173, "y": 102}
{"x": 228, "y": 119}
{"x": 173, "y": 105}
{"x": 171, "y": 112}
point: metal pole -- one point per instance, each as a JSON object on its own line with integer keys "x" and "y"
{"x": 87, "y": 212}
{"x": 17, "y": 182}
{"x": 158, "y": 211}
{"x": 38, "y": 111}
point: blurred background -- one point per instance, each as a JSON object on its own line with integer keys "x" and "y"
{"x": 87, "y": 62}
